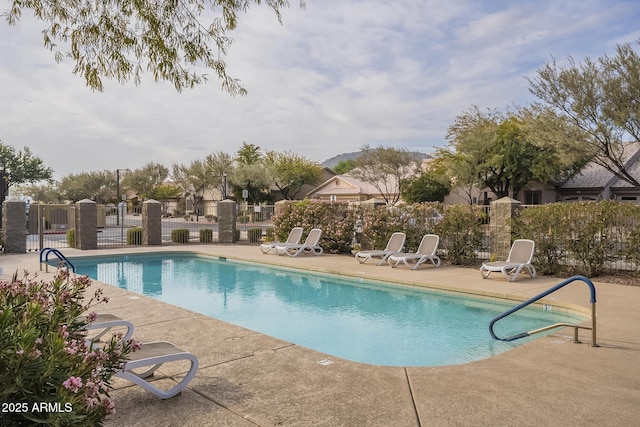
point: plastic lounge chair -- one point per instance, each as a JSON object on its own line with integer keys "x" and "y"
{"x": 394, "y": 246}
{"x": 520, "y": 257}
{"x": 426, "y": 252}
{"x": 294, "y": 238}
{"x": 311, "y": 245}
{"x": 106, "y": 322}
{"x": 152, "y": 355}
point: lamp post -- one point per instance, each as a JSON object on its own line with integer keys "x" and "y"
{"x": 224, "y": 186}
{"x": 118, "y": 194}
{"x": 4, "y": 171}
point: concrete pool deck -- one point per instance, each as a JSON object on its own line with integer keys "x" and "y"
{"x": 249, "y": 379}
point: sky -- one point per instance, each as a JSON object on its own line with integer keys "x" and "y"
{"x": 333, "y": 77}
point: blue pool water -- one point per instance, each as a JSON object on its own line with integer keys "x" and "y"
{"x": 356, "y": 320}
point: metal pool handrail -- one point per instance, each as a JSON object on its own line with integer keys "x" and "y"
{"x": 592, "y": 289}
{"x": 45, "y": 252}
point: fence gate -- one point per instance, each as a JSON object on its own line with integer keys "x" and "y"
{"x": 47, "y": 225}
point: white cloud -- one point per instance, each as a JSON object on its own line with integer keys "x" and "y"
{"x": 331, "y": 78}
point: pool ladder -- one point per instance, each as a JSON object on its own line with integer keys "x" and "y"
{"x": 592, "y": 289}
{"x": 64, "y": 262}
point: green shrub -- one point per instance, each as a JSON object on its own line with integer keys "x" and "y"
{"x": 134, "y": 236}
{"x": 71, "y": 237}
{"x": 335, "y": 219}
{"x": 544, "y": 225}
{"x": 45, "y": 359}
{"x": 461, "y": 233}
{"x": 254, "y": 234}
{"x": 180, "y": 235}
{"x": 269, "y": 235}
{"x": 206, "y": 235}
{"x": 580, "y": 238}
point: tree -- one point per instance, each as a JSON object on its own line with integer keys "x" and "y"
{"x": 39, "y": 193}
{"x": 505, "y": 151}
{"x": 194, "y": 180}
{"x": 432, "y": 185}
{"x": 344, "y": 166}
{"x": 220, "y": 164}
{"x": 385, "y": 169}
{"x": 248, "y": 154}
{"x": 251, "y": 173}
{"x": 601, "y": 98}
{"x": 291, "y": 172}
{"x": 97, "y": 186}
{"x": 146, "y": 180}
{"x": 255, "y": 178}
{"x": 116, "y": 39}
{"x": 24, "y": 167}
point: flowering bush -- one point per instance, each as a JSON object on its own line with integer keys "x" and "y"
{"x": 335, "y": 219}
{"x": 48, "y": 372}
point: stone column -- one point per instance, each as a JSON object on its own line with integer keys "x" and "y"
{"x": 227, "y": 216}
{"x": 501, "y": 212}
{"x": 86, "y": 224}
{"x": 14, "y": 226}
{"x": 151, "y": 222}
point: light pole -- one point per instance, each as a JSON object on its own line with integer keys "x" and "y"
{"x": 3, "y": 187}
{"x": 118, "y": 194}
{"x": 224, "y": 186}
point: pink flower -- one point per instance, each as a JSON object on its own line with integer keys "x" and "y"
{"x": 73, "y": 384}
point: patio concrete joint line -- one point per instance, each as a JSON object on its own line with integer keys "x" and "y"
{"x": 220, "y": 404}
{"x": 413, "y": 400}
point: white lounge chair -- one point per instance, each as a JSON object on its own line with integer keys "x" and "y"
{"x": 520, "y": 257}
{"x": 311, "y": 245}
{"x": 106, "y": 322}
{"x": 426, "y": 252}
{"x": 294, "y": 238}
{"x": 394, "y": 246}
{"x": 151, "y": 355}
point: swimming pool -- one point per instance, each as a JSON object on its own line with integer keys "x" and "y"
{"x": 358, "y": 320}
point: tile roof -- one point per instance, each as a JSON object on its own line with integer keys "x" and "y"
{"x": 596, "y": 177}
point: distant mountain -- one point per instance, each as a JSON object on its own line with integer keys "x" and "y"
{"x": 332, "y": 162}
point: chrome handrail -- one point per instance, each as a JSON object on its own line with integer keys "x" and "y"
{"x": 557, "y": 325}
{"x": 47, "y": 251}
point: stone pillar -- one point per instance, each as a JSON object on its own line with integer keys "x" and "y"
{"x": 227, "y": 216}
{"x": 151, "y": 222}
{"x": 502, "y": 211}
{"x": 86, "y": 224}
{"x": 14, "y": 226}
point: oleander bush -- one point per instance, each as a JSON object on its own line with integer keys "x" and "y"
{"x": 585, "y": 238}
{"x": 460, "y": 231}
{"x": 335, "y": 219}
{"x": 416, "y": 220}
{"x": 581, "y": 238}
{"x": 49, "y": 374}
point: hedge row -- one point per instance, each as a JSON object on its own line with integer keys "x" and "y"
{"x": 581, "y": 238}
{"x": 574, "y": 238}
{"x": 460, "y": 227}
